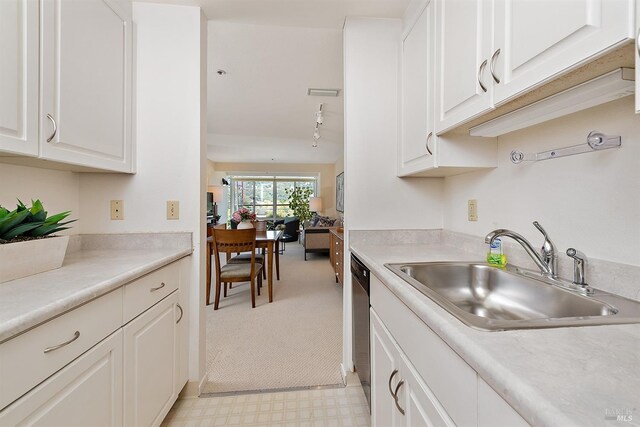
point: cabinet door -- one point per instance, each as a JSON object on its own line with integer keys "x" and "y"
{"x": 416, "y": 104}
{"x": 19, "y": 76}
{"x": 539, "y": 39}
{"x": 493, "y": 411}
{"x": 182, "y": 324}
{"x": 150, "y": 362}
{"x": 87, "y": 392}
{"x": 384, "y": 362}
{"x": 421, "y": 408}
{"x": 463, "y": 44}
{"x": 86, "y": 83}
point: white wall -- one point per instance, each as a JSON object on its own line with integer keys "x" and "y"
{"x": 375, "y": 198}
{"x": 171, "y": 104}
{"x": 58, "y": 190}
{"x": 588, "y": 201}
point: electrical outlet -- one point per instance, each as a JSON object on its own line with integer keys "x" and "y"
{"x": 117, "y": 209}
{"x": 472, "y": 210}
{"x": 173, "y": 209}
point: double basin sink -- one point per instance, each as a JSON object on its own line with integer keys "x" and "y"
{"x": 490, "y": 298}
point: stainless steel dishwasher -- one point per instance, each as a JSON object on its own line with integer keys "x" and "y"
{"x": 360, "y": 298}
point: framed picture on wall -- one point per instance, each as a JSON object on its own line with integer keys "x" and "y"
{"x": 340, "y": 192}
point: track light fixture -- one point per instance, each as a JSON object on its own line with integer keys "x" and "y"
{"x": 316, "y": 131}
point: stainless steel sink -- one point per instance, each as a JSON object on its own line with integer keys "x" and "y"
{"x": 491, "y": 298}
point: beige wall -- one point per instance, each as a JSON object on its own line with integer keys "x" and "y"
{"x": 327, "y": 177}
{"x": 339, "y": 165}
{"x": 58, "y": 190}
{"x": 589, "y": 201}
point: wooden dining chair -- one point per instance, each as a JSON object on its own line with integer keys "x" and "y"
{"x": 260, "y": 226}
{"x": 229, "y": 241}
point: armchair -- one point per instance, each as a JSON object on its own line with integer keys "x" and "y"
{"x": 291, "y": 226}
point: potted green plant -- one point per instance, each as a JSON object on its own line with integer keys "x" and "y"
{"x": 299, "y": 202}
{"x": 27, "y": 244}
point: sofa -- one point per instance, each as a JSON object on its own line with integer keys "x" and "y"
{"x": 316, "y": 235}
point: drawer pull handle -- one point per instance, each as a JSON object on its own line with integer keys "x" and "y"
{"x": 181, "y": 313}
{"x": 76, "y": 335}
{"x": 395, "y": 371}
{"x": 492, "y": 66}
{"x": 480, "y": 71}
{"x": 396, "y": 396}
{"x": 162, "y": 285}
{"x": 55, "y": 127}
{"x": 426, "y": 145}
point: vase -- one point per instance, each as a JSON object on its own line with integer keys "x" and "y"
{"x": 245, "y": 223}
{"x": 22, "y": 259}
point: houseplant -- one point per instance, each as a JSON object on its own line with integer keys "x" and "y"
{"x": 27, "y": 244}
{"x": 299, "y": 202}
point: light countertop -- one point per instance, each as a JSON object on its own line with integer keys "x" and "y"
{"x": 551, "y": 377}
{"x": 86, "y": 274}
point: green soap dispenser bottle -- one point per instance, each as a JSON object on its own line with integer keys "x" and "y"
{"x": 495, "y": 255}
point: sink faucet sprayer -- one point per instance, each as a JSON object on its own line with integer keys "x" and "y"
{"x": 546, "y": 260}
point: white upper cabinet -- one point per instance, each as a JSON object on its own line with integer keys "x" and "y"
{"x": 421, "y": 152}
{"x": 491, "y": 51}
{"x": 19, "y": 77}
{"x": 416, "y": 131}
{"x": 540, "y": 39}
{"x": 85, "y": 114}
{"x": 463, "y": 49}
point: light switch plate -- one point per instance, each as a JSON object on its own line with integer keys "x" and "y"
{"x": 472, "y": 210}
{"x": 173, "y": 209}
{"x": 117, "y": 209}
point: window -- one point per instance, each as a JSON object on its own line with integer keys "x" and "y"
{"x": 266, "y": 195}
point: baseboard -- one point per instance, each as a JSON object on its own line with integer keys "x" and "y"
{"x": 344, "y": 373}
{"x": 201, "y": 383}
{"x": 192, "y": 388}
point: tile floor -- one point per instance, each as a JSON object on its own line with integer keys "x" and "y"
{"x": 344, "y": 406}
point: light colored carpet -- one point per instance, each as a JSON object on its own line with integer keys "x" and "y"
{"x": 296, "y": 341}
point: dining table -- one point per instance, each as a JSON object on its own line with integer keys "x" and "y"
{"x": 268, "y": 240}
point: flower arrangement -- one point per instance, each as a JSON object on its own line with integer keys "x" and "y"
{"x": 243, "y": 214}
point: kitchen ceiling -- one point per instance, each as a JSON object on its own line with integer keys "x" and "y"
{"x": 272, "y": 52}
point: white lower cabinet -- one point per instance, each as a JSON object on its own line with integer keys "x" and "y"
{"x": 400, "y": 397}
{"x": 493, "y": 411}
{"x": 87, "y": 392}
{"x": 53, "y": 376}
{"x": 418, "y": 380}
{"x": 150, "y": 346}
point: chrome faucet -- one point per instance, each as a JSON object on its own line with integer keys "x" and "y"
{"x": 579, "y": 261}
{"x": 546, "y": 260}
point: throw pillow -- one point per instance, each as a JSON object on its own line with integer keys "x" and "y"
{"x": 314, "y": 219}
{"x": 325, "y": 221}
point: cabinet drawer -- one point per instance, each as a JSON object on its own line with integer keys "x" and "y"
{"x": 141, "y": 294}
{"x": 450, "y": 378}
{"x": 30, "y": 358}
{"x": 87, "y": 392}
